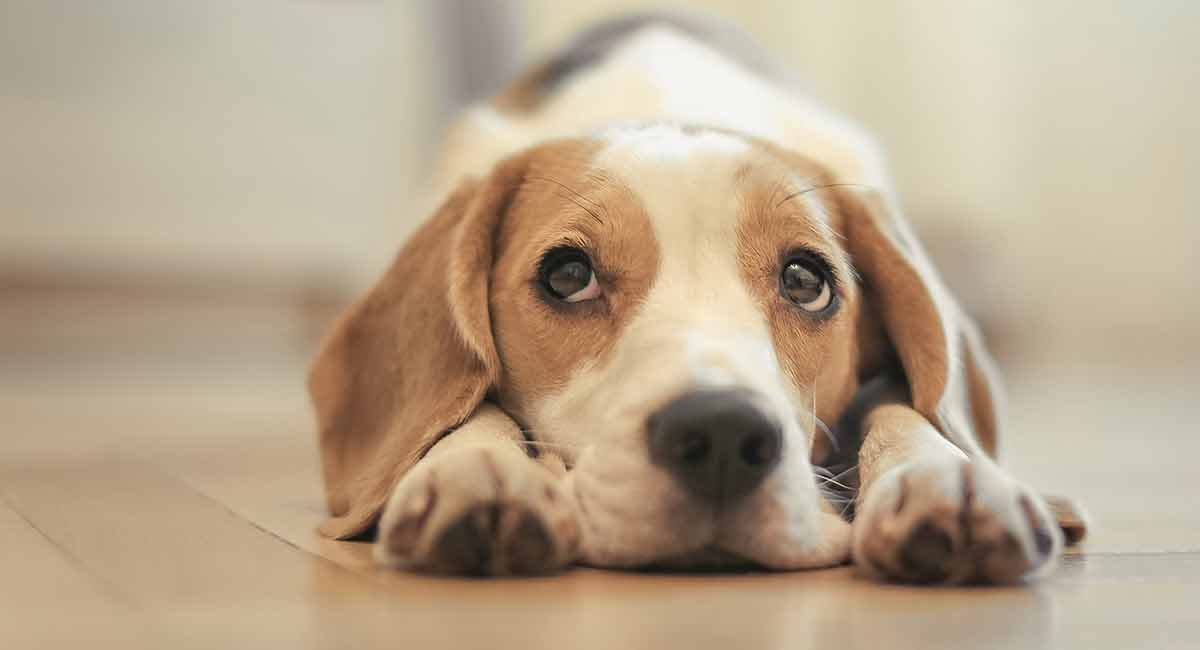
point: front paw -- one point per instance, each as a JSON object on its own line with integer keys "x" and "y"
{"x": 478, "y": 511}
{"x": 953, "y": 521}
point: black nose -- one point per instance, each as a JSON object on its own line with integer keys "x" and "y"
{"x": 717, "y": 443}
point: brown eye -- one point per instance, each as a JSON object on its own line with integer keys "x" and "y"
{"x": 805, "y": 283}
{"x": 566, "y": 273}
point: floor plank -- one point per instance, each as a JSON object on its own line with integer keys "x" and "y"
{"x": 152, "y": 538}
{"x": 46, "y": 573}
{"x": 43, "y": 582}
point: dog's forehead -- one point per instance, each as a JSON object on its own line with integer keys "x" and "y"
{"x": 693, "y": 191}
{"x": 686, "y": 182}
{"x": 678, "y": 174}
{"x": 705, "y": 190}
{"x": 703, "y": 180}
{"x": 669, "y": 142}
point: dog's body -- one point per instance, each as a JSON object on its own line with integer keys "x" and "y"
{"x": 657, "y": 274}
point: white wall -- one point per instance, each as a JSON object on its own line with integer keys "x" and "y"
{"x": 266, "y": 137}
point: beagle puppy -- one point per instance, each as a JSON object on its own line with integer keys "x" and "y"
{"x": 668, "y": 314}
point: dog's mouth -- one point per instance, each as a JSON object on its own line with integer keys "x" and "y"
{"x": 704, "y": 483}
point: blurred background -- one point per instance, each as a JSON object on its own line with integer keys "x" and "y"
{"x": 189, "y": 191}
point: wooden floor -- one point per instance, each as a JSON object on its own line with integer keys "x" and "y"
{"x": 172, "y": 504}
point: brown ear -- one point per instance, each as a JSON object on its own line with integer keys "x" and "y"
{"x": 411, "y": 360}
{"x": 950, "y": 375}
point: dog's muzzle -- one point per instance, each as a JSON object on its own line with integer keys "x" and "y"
{"x": 719, "y": 444}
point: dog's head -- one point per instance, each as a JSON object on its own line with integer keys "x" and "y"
{"x": 674, "y": 311}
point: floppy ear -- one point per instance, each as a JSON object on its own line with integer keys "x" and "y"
{"x": 950, "y": 376}
{"x": 952, "y": 380}
{"x": 413, "y": 359}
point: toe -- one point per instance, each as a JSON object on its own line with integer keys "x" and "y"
{"x": 466, "y": 545}
{"x": 530, "y": 547}
{"x": 926, "y": 553}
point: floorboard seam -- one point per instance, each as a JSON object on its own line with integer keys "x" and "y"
{"x": 107, "y": 587}
{"x": 253, "y": 524}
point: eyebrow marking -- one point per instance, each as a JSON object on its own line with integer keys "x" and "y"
{"x": 574, "y": 196}
{"x": 844, "y": 271}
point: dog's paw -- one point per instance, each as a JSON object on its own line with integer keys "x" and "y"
{"x": 478, "y": 511}
{"x": 951, "y": 522}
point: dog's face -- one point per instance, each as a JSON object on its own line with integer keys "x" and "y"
{"x": 674, "y": 311}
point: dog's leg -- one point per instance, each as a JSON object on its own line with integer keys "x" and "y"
{"x": 928, "y": 513}
{"x": 478, "y": 504}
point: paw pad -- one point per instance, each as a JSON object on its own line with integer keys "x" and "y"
{"x": 927, "y": 553}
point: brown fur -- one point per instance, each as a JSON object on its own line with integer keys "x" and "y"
{"x": 892, "y": 304}
{"x": 417, "y": 356}
{"x": 818, "y": 353}
{"x": 939, "y": 348}
{"x": 414, "y": 358}
{"x": 563, "y": 201}
{"x": 925, "y": 327}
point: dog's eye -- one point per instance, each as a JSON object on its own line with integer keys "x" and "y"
{"x": 805, "y": 282}
{"x": 567, "y": 274}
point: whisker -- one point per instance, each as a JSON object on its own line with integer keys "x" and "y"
{"x": 844, "y": 504}
{"x": 829, "y": 481}
{"x": 827, "y": 431}
{"x": 818, "y": 423}
{"x": 574, "y": 196}
{"x": 844, "y": 472}
{"x": 843, "y": 501}
{"x": 557, "y": 445}
{"x": 531, "y": 442}
{"x": 823, "y": 186}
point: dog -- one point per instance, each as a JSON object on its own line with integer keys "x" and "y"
{"x": 663, "y": 295}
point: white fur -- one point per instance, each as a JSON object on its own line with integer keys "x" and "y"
{"x": 698, "y": 328}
